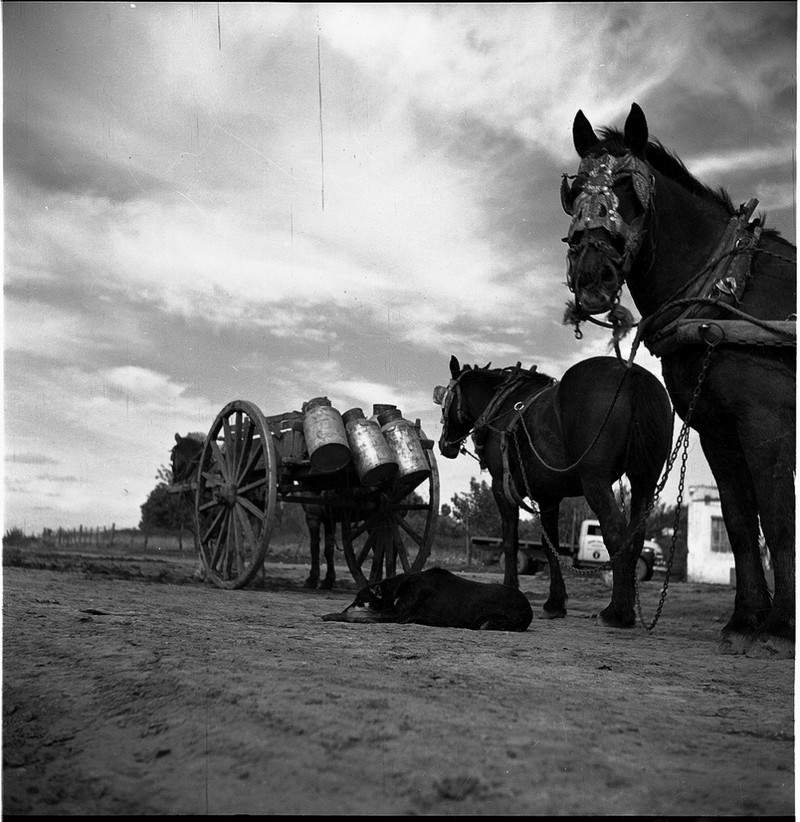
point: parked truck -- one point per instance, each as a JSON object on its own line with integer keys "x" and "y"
{"x": 588, "y": 551}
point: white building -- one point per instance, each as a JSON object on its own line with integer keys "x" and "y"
{"x": 710, "y": 558}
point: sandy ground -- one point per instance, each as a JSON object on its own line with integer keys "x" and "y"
{"x": 130, "y": 689}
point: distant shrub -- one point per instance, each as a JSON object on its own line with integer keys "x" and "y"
{"x": 15, "y": 536}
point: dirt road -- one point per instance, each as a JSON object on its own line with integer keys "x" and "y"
{"x": 130, "y": 689}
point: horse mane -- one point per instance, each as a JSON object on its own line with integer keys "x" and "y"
{"x": 670, "y": 165}
{"x": 532, "y": 374}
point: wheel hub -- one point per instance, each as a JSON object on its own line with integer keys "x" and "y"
{"x": 227, "y": 494}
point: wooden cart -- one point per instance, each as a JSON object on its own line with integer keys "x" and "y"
{"x": 251, "y": 462}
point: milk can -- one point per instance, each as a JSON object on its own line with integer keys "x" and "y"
{"x": 380, "y": 408}
{"x": 405, "y": 446}
{"x": 371, "y": 454}
{"x": 326, "y": 438}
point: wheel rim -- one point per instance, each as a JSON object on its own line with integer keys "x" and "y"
{"x": 235, "y": 501}
{"x": 394, "y": 534}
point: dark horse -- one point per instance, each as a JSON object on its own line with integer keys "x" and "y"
{"x": 546, "y": 440}
{"x": 717, "y": 293}
{"x": 185, "y": 456}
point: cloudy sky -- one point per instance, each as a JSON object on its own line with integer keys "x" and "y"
{"x": 276, "y": 201}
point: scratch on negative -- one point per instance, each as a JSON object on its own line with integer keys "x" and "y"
{"x": 238, "y": 140}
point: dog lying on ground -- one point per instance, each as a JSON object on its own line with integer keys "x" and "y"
{"x": 439, "y": 598}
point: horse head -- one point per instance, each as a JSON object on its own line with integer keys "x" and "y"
{"x": 184, "y": 456}
{"x": 609, "y": 200}
{"x": 461, "y": 406}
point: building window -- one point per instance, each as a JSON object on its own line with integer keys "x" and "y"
{"x": 719, "y": 537}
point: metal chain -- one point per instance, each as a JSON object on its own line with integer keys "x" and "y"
{"x": 684, "y": 434}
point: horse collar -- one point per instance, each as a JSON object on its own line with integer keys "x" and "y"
{"x": 722, "y": 280}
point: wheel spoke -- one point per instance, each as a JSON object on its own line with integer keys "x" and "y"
{"x": 219, "y": 546}
{"x": 230, "y": 445}
{"x": 244, "y": 436}
{"x": 377, "y": 556}
{"x": 391, "y": 555}
{"x": 219, "y": 459}
{"x": 417, "y": 537}
{"x": 205, "y": 537}
{"x": 230, "y": 548}
{"x": 367, "y": 524}
{"x": 239, "y": 544}
{"x": 247, "y": 504}
{"x": 402, "y": 552}
{"x": 247, "y": 526}
{"x": 246, "y": 489}
{"x": 365, "y": 549}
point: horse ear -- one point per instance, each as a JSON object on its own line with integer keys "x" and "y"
{"x": 636, "y": 135}
{"x": 178, "y": 438}
{"x": 455, "y": 368}
{"x": 583, "y": 135}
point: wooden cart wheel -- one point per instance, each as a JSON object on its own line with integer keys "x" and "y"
{"x": 235, "y": 502}
{"x": 394, "y": 533}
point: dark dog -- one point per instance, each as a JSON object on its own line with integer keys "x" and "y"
{"x": 441, "y": 599}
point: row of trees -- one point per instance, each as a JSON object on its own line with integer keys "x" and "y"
{"x": 475, "y": 513}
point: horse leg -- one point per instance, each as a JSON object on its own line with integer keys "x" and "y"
{"x": 330, "y": 543}
{"x": 509, "y": 516}
{"x": 619, "y": 613}
{"x": 776, "y": 635}
{"x": 776, "y": 505}
{"x": 556, "y": 605}
{"x": 737, "y": 496}
{"x": 313, "y": 523}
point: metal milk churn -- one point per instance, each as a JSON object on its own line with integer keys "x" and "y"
{"x": 326, "y": 438}
{"x": 380, "y": 408}
{"x": 371, "y": 454}
{"x": 405, "y": 446}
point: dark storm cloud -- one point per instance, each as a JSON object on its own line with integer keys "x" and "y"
{"x": 53, "y": 162}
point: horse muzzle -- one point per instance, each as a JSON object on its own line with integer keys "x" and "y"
{"x": 449, "y": 450}
{"x": 595, "y": 275}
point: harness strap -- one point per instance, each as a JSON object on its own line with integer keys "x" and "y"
{"x": 509, "y": 486}
{"x": 510, "y": 491}
{"x": 723, "y": 280}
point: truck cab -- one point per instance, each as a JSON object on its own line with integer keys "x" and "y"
{"x": 592, "y": 550}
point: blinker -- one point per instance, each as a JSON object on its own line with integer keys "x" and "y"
{"x": 439, "y": 393}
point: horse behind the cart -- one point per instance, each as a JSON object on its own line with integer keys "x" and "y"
{"x": 378, "y": 474}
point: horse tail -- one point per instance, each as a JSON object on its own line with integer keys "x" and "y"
{"x": 651, "y": 427}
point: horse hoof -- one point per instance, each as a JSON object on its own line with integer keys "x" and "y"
{"x": 767, "y": 646}
{"x": 310, "y": 583}
{"x": 612, "y": 619}
{"x": 735, "y": 643}
{"x": 559, "y": 614}
{"x": 326, "y": 584}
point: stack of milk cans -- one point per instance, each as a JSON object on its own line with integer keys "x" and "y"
{"x": 384, "y": 447}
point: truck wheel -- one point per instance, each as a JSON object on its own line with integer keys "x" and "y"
{"x": 523, "y": 563}
{"x": 643, "y": 570}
